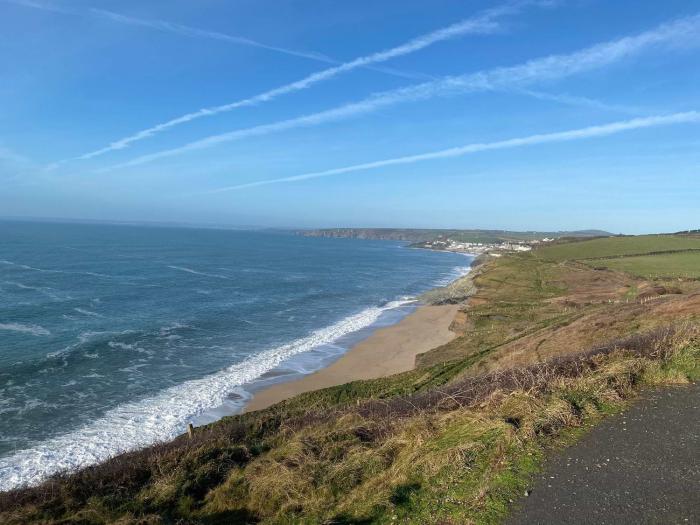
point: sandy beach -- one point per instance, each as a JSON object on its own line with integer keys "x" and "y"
{"x": 387, "y": 351}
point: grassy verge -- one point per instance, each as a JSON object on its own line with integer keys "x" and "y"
{"x": 453, "y": 454}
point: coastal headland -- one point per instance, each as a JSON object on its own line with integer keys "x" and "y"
{"x": 533, "y": 349}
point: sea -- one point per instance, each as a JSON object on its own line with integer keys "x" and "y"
{"x": 114, "y": 337}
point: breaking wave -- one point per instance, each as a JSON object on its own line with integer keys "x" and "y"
{"x": 165, "y": 415}
{"x": 32, "y": 329}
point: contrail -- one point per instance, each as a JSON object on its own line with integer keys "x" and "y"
{"x": 561, "y": 136}
{"x": 482, "y": 23}
{"x": 575, "y": 100}
{"x": 162, "y": 25}
{"x": 500, "y": 79}
{"x": 184, "y": 30}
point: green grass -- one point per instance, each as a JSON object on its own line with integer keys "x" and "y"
{"x": 426, "y": 462}
{"x": 667, "y": 265}
{"x": 617, "y": 246}
{"x": 401, "y": 449}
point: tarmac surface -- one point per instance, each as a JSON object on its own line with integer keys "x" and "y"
{"x": 641, "y": 466}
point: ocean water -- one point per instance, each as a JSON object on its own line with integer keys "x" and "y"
{"x": 114, "y": 337}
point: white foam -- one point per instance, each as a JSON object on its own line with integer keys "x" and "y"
{"x": 165, "y": 415}
{"x": 45, "y": 290}
{"x": 33, "y": 329}
{"x": 87, "y": 312}
{"x": 85, "y": 337}
{"x": 456, "y": 273}
{"x": 196, "y": 272}
{"x": 44, "y": 270}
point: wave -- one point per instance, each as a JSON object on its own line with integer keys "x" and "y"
{"x": 45, "y": 290}
{"x": 87, "y": 312}
{"x": 161, "y": 417}
{"x": 44, "y": 270}
{"x": 33, "y": 329}
{"x": 456, "y": 273}
{"x": 86, "y": 339}
{"x": 196, "y": 272}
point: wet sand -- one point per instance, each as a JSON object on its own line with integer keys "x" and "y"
{"x": 387, "y": 351}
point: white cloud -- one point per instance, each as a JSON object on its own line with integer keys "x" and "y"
{"x": 482, "y": 23}
{"x": 499, "y": 79}
{"x": 561, "y": 136}
{"x": 575, "y": 100}
{"x": 162, "y": 25}
{"x": 7, "y": 155}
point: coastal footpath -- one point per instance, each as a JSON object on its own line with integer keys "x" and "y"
{"x": 543, "y": 346}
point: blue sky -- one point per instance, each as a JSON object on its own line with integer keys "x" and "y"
{"x": 532, "y": 114}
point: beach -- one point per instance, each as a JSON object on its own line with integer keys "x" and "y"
{"x": 387, "y": 351}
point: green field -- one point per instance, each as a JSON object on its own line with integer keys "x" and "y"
{"x": 618, "y": 246}
{"x": 684, "y": 265}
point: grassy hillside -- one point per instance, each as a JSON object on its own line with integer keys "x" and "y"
{"x": 618, "y": 247}
{"x": 685, "y": 265}
{"x": 548, "y": 345}
{"x": 557, "y": 300}
{"x": 648, "y": 256}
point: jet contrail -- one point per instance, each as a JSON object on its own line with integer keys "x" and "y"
{"x": 560, "y": 136}
{"x": 500, "y": 79}
{"x": 165, "y": 26}
{"x": 482, "y": 23}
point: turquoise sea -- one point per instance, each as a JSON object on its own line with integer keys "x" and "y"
{"x": 114, "y": 337}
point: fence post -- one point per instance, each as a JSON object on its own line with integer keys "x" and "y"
{"x": 190, "y": 430}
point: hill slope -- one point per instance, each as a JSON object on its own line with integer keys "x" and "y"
{"x": 548, "y": 346}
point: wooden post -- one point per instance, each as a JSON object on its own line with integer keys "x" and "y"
{"x": 190, "y": 430}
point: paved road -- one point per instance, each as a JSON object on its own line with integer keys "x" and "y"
{"x": 639, "y": 467}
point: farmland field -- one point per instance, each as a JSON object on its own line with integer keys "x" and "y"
{"x": 618, "y": 246}
{"x": 667, "y": 265}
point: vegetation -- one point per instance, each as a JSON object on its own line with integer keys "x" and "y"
{"x": 548, "y": 346}
{"x": 683, "y": 265}
{"x": 558, "y": 300}
{"x": 658, "y": 257}
{"x": 619, "y": 247}
{"x": 423, "y": 235}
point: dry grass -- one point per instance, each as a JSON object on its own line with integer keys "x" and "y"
{"x": 452, "y": 454}
{"x": 548, "y": 347}
{"x": 528, "y": 310}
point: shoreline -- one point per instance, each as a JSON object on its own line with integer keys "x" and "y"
{"x": 387, "y": 351}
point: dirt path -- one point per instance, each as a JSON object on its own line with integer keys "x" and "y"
{"x": 638, "y": 467}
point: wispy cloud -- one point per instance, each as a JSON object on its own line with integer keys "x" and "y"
{"x": 483, "y": 23}
{"x": 169, "y": 27}
{"x": 14, "y": 167}
{"x": 7, "y": 155}
{"x": 505, "y": 78}
{"x": 575, "y": 100}
{"x": 162, "y": 25}
{"x": 561, "y": 136}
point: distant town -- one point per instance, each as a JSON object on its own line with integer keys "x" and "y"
{"x": 478, "y": 248}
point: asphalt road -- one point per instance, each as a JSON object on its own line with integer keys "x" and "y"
{"x": 638, "y": 467}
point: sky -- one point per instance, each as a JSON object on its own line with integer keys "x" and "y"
{"x": 520, "y": 114}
